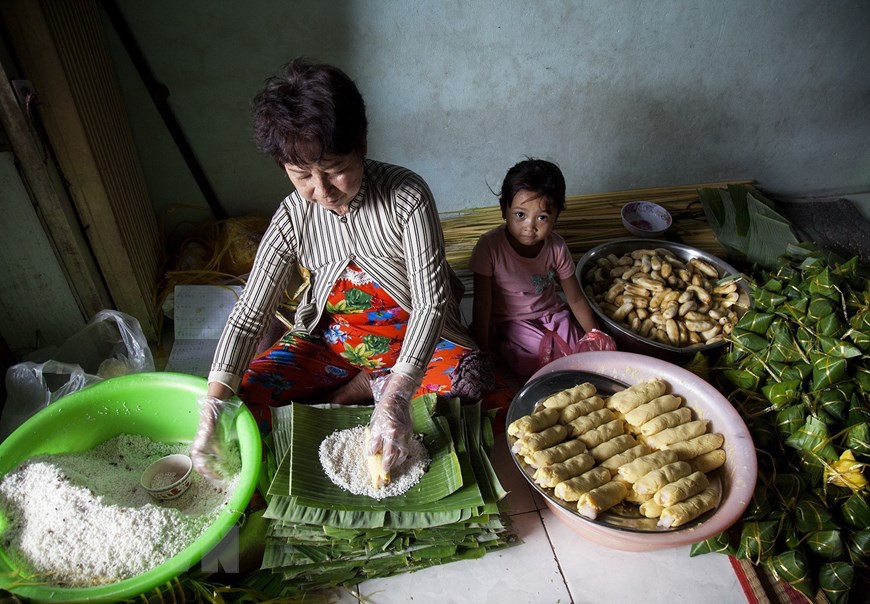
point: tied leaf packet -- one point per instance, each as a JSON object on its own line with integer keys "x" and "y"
{"x": 321, "y": 536}
{"x": 796, "y": 368}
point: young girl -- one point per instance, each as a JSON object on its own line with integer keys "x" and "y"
{"x": 516, "y": 267}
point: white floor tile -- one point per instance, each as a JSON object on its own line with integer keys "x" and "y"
{"x": 597, "y": 574}
{"x": 526, "y": 573}
{"x": 521, "y": 495}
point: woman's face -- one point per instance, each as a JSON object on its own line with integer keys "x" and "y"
{"x": 331, "y": 183}
{"x": 528, "y": 222}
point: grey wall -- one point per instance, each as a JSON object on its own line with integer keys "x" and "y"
{"x": 621, "y": 94}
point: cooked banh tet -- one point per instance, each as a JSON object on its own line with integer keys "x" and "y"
{"x": 640, "y": 446}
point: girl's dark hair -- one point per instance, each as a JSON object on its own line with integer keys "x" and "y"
{"x": 538, "y": 176}
{"x": 306, "y": 111}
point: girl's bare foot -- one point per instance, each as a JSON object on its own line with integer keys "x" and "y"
{"x": 358, "y": 390}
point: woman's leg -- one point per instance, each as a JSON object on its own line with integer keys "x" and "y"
{"x": 296, "y": 368}
{"x": 451, "y": 362}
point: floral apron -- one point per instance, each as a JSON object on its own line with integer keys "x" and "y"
{"x": 362, "y": 330}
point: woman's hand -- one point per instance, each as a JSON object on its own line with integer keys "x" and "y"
{"x": 390, "y": 425}
{"x": 216, "y": 422}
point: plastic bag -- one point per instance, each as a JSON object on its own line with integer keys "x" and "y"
{"x": 111, "y": 344}
{"x": 595, "y": 340}
{"x": 554, "y": 347}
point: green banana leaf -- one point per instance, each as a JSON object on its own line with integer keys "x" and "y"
{"x": 810, "y": 516}
{"x": 830, "y": 326}
{"x": 789, "y": 487}
{"x": 746, "y": 223}
{"x": 782, "y": 394}
{"x": 782, "y": 346}
{"x": 720, "y": 544}
{"x": 859, "y": 548}
{"x": 790, "y": 420}
{"x": 838, "y": 348}
{"x": 744, "y": 379}
{"x": 813, "y": 437}
{"x": 806, "y": 408}
{"x": 478, "y": 430}
{"x": 796, "y": 308}
{"x": 792, "y": 566}
{"x": 861, "y": 339}
{"x": 835, "y": 580}
{"x": 856, "y": 510}
{"x": 805, "y": 339}
{"x": 819, "y": 308}
{"x": 824, "y": 284}
{"x": 754, "y": 321}
{"x": 310, "y": 547}
{"x": 827, "y": 370}
{"x": 766, "y": 300}
{"x": 786, "y": 533}
{"x": 812, "y": 465}
{"x": 757, "y": 540}
{"x": 759, "y": 504}
{"x": 834, "y": 401}
{"x": 311, "y": 486}
{"x": 828, "y": 545}
{"x": 749, "y": 340}
{"x": 858, "y": 438}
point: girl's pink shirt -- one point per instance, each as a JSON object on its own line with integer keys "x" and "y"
{"x": 522, "y": 288}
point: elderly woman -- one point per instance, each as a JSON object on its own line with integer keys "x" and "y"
{"x": 382, "y": 302}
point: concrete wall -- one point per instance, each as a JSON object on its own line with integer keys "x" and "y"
{"x": 621, "y": 94}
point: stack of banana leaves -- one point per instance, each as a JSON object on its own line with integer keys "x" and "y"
{"x": 798, "y": 371}
{"x": 322, "y": 536}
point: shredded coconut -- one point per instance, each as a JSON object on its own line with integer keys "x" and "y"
{"x": 343, "y": 456}
{"x": 162, "y": 480}
{"x": 84, "y": 519}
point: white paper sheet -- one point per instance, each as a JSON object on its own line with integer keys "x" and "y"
{"x": 201, "y": 312}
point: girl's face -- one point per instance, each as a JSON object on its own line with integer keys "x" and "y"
{"x": 332, "y": 183}
{"x": 529, "y": 222}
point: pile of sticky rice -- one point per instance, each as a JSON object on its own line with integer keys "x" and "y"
{"x": 83, "y": 519}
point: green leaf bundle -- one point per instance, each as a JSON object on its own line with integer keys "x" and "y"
{"x": 797, "y": 369}
{"x": 322, "y": 536}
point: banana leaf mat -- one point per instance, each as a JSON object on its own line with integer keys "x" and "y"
{"x": 319, "y": 536}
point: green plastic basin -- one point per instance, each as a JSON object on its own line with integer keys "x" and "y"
{"x": 160, "y": 406}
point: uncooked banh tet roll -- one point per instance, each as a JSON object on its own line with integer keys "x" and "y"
{"x": 573, "y": 488}
{"x": 688, "y": 509}
{"x": 562, "y": 399}
{"x": 584, "y": 407}
{"x": 534, "y": 422}
{"x": 550, "y": 476}
{"x": 555, "y": 454}
{"x": 641, "y": 446}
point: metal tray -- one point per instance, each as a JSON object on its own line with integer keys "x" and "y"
{"x": 630, "y": 341}
{"x": 624, "y": 516}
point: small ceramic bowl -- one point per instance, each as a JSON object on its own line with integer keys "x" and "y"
{"x": 168, "y": 477}
{"x": 645, "y": 219}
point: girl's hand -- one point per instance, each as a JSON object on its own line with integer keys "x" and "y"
{"x": 579, "y": 305}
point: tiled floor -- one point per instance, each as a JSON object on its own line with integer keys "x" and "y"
{"x": 555, "y": 565}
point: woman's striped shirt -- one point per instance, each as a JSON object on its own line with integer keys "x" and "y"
{"x": 392, "y": 231}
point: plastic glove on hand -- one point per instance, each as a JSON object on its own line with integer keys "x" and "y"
{"x": 208, "y": 450}
{"x": 390, "y": 426}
